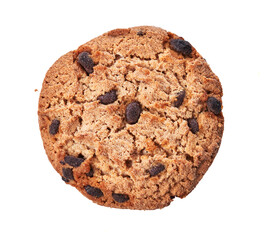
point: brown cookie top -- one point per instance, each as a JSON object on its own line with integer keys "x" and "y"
{"x": 132, "y": 118}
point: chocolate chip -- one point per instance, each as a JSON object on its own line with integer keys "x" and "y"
{"x": 189, "y": 158}
{"x": 156, "y": 169}
{"x": 62, "y": 163}
{"x": 54, "y": 127}
{"x": 140, "y": 33}
{"x": 86, "y": 62}
{"x": 133, "y": 112}
{"x": 128, "y": 163}
{"x": 214, "y": 105}
{"x": 108, "y": 97}
{"x": 181, "y": 46}
{"x": 117, "y": 56}
{"x": 172, "y": 197}
{"x": 120, "y": 197}
{"x": 73, "y": 161}
{"x": 193, "y": 125}
{"x": 180, "y": 98}
{"x": 95, "y": 192}
{"x": 91, "y": 172}
{"x": 68, "y": 173}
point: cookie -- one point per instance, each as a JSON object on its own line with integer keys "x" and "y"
{"x": 132, "y": 118}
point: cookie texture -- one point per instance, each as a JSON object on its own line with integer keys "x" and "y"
{"x": 132, "y": 118}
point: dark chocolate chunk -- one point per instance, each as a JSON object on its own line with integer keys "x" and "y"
{"x": 62, "y": 162}
{"x": 54, "y": 127}
{"x": 156, "y": 169}
{"x": 140, "y": 33}
{"x": 95, "y": 192}
{"x": 73, "y": 161}
{"x": 180, "y": 98}
{"x": 181, "y": 46}
{"x": 133, "y": 112}
{"x": 214, "y": 105}
{"x": 86, "y": 62}
{"x": 108, "y": 97}
{"x": 120, "y": 197}
{"x": 68, "y": 173}
{"x": 193, "y": 125}
{"x": 91, "y": 172}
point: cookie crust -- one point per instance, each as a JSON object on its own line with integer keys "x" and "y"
{"x": 123, "y": 164}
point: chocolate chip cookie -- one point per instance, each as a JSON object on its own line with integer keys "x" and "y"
{"x": 132, "y": 118}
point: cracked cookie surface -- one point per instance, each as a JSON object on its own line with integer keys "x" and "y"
{"x": 132, "y": 118}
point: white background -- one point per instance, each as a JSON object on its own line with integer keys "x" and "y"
{"x": 229, "y": 203}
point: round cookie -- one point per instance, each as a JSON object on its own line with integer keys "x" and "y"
{"x": 132, "y": 118}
